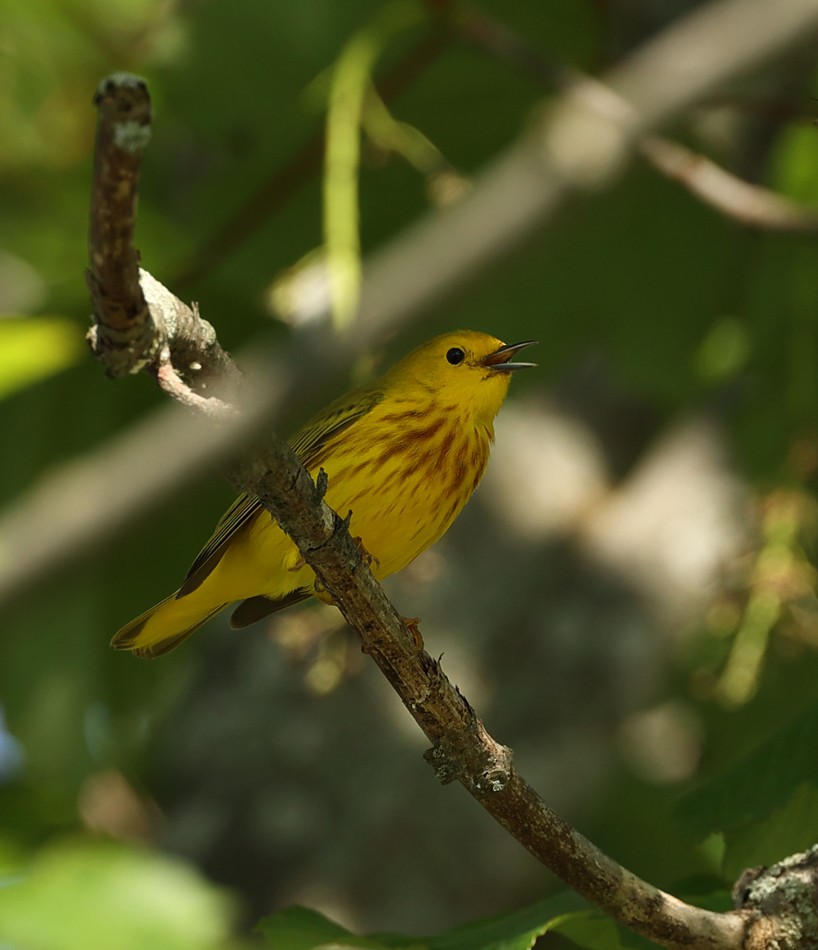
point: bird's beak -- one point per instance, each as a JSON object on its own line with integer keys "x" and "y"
{"x": 499, "y": 359}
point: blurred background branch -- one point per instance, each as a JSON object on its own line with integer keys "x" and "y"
{"x": 749, "y": 204}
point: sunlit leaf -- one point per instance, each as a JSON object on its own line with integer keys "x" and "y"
{"x": 795, "y": 159}
{"x": 35, "y": 348}
{"x": 348, "y": 89}
{"x": 80, "y": 894}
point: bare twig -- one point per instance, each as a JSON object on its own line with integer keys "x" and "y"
{"x": 189, "y": 343}
{"x": 139, "y": 324}
{"x": 750, "y": 205}
{"x": 123, "y": 335}
{"x": 217, "y": 410}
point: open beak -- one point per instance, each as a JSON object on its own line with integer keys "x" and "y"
{"x": 499, "y": 359}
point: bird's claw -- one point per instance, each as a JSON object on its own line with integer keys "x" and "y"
{"x": 412, "y": 624}
{"x": 368, "y": 558}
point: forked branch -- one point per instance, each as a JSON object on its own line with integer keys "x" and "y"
{"x": 138, "y": 323}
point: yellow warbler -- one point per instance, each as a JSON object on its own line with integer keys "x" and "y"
{"x": 403, "y": 454}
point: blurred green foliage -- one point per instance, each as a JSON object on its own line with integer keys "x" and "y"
{"x": 215, "y": 753}
{"x": 79, "y": 894}
{"x": 35, "y": 348}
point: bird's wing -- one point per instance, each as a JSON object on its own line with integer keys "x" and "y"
{"x": 316, "y": 438}
{"x": 243, "y": 509}
{"x": 310, "y": 444}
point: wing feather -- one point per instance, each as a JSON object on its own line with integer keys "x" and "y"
{"x": 311, "y": 445}
{"x": 313, "y": 441}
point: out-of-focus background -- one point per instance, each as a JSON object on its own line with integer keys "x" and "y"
{"x": 629, "y": 599}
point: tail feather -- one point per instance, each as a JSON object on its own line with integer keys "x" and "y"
{"x": 162, "y": 628}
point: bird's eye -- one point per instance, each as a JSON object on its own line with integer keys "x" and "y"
{"x": 455, "y": 355}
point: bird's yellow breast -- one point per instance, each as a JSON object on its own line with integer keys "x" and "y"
{"x": 405, "y": 473}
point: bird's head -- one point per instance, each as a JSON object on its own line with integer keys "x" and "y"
{"x": 465, "y": 369}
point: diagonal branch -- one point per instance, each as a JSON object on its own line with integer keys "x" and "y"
{"x": 462, "y": 750}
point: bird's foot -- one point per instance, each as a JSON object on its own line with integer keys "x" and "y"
{"x": 298, "y": 565}
{"x": 412, "y": 624}
{"x": 368, "y": 558}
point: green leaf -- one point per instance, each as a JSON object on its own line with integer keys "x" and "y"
{"x": 34, "y": 348}
{"x": 787, "y": 831}
{"x": 794, "y": 163}
{"x": 757, "y": 784}
{"x": 351, "y": 76}
{"x": 590, "y": 929}
{"x": 299, "y": 928}
{"x": 80, "y": 894}
{"x": 517, "y": 930}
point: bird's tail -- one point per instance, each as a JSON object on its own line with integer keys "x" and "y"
{"x": 164, "y": 626}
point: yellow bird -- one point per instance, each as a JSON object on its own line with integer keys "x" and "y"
{"x": 403, "y": 454}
